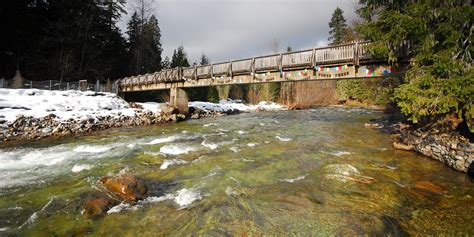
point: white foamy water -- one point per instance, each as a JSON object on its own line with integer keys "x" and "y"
{"x": 177, "y": 149}
{"x": 211, "y": 146}
{"x": 4, "y": 229}
{"x": 283, "y": 139}
{"x": 163, "y": 140}
{"x": 295, "y": 179}
{"x": 168, "y": 163}
{"x": 26, "y": 166}
{"x": 80, "y": 167}
{"x": 91, "y": 149}
{"x": 252, "y": 144}
{"x": 230, "y": 191}
{"x": 339, "y": 153}
{"x": 119, "y": 208}
{"x": 186, "y": 197}
{"x": 235, "y": 149}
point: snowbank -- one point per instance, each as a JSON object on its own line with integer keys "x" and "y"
{"x": 226, "y": 105}
{"x": 65, "y": 105}
{"x": 79, "y": 105}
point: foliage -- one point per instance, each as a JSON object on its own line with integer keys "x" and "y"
{"x": 338, "y": 26}
{"x": 144, "y": 44}
{"x": 204, "y": 60}
{"x": 166, "y": 64}
{"x": 213, "y": 95}
{"x": 179, "y": 58}
{"x": 440, "y": 35}
{"x": 371, "y": 92}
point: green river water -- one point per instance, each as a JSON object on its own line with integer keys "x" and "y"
{"x": 316, "y": 172}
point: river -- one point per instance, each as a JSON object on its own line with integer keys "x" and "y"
{"x": 310, "y": 172}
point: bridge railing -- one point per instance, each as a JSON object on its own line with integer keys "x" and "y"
{"x": 345, "y": 53}
{"x": 298, "y": 59}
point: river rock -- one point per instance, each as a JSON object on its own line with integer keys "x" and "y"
{"x": 125, "y": 186}
{"x": 401, "y": 146}
{"x": 98, "y": 207}
{"x": 428, "y": 186}
{"x": 167, "y": 109}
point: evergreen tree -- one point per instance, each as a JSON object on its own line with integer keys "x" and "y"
{"x": 441, "y": 76}
{"x": 204, "y": 60}
{"x": 61, "y": 40}
{"x": 152, "y": 46}
{"x": 134, "y": 39}
{"x": 337, "y": 27}
{"x": 166, "y": 64}
{"x": 213, "y": 95}
{"x": 179, "y": 58}
{"x": 144, "y": 45}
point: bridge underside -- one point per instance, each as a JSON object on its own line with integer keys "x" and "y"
{"x": 337, "y": 72}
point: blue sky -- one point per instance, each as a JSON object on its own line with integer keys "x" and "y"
{"x": 233, "y": 29}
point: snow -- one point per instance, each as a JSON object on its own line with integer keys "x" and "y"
{"x": 228, "y": 105}
{"x": 151, "y": 106}
{"x": 78, "y": 105}
{"x": 65, "y": 105}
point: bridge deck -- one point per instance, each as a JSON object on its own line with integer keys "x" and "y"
{"x": 346, "y": 61}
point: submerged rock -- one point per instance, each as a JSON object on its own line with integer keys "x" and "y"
{"x": 98, "y": 207}
{"x": 346, "y": 172}
{"x": 428, "y": 186}
{"x": 126, "y": 187}
{"x": 401, "y": 146}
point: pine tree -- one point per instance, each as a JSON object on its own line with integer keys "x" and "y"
{"x": 151, "y": 46}
{"x": 440, "y": 79}
{"x": 337, "y": 27}
{"x": 166, "y": 64}
{"x": 179, "y": 58}
{"x": 134, "y": 39}
{"x": 204, "y": 60}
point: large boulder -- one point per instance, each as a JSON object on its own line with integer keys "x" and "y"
{"x": 167, "y": 109}
{"x": 126, "y": 187}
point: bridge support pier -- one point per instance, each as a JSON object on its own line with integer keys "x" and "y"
{"x": 179, "y": 99}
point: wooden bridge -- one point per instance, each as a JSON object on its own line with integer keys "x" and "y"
{"x": 339, "y": 62}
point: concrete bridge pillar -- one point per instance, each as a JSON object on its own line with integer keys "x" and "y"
{"x": 179, "y": 99}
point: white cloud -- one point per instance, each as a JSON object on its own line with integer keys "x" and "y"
{"x": 233, "y": 29}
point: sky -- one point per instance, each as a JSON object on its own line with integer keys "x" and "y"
{"x": 235, "y": 29}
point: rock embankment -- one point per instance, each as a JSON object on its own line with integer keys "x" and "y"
{"x": 28, "y": 128}
{"x": 445, "y": 145}
{"x": 452, "y": 149}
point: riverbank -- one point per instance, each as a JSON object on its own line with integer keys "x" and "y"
{"x": 315, "y": 165}
{"x": 29, "y": 115}
{"x": 438, "y": 141}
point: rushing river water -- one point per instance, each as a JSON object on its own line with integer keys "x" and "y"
{"x": 313, "y": 172}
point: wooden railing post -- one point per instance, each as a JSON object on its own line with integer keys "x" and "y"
{"x": 356, "y": 54}
{"x": 280, "y": 63}
{"x": 253, "y": 68}
{"x": 230, "y": 69}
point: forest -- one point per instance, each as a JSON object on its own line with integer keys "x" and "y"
{"x": 70, "y": 40}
